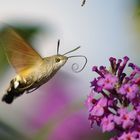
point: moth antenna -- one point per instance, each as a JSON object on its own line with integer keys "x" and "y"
{"x": 75, "y": 66}
{"x": 72, "y": 50}
{"x": 58, "y": 44}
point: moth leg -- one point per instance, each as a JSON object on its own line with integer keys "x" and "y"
{"x": 24, "y": 88}
{"x": 29, "y": 91}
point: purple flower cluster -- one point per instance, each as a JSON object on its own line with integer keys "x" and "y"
{"x": 114, "y": 101}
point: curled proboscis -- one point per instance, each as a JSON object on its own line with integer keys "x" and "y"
{"x": 75, "y": 66}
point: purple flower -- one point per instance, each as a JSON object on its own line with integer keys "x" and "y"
{"x": 136, "y": 134}
{"x": 98, "y": 109}
{"x": 107, "y": 123}
{"x": 128, "y": 136}
{"x": 125, "y": 118}
{"x": 138, "y": 113}
{"x": 107, "y": 82}
{"x": 115, "y": 104}
{"x": 130, "y": 90}
{"x": 90, "y": 100}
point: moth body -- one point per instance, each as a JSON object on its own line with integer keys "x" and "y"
{"x": 32, "y": 70}
{"x": 31, "y": 79}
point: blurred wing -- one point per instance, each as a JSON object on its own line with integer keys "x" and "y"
{"x": 19, "y": 53}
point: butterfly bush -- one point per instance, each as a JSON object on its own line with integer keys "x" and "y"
{"x": 114, "y": 100}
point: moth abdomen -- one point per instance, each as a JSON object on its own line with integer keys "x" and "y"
{"x": 8, "y": 98}
{"x": 12, "y": 93}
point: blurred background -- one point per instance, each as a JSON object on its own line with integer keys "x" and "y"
{"x": 56, "y": 111}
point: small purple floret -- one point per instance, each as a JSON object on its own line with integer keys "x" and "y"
{"x": 114, "y": 104}
{"x": 108, "y": 82}
{"x": 129, "y": 90}
{"x": 107, "y": 123}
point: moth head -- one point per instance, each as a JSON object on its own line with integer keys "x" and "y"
{"x": 58, "y": 60}
{"x": 62, "y": 59}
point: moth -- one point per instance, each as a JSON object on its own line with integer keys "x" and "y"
{"x": 83, "y": 2}
{"x": 31, "y": 69}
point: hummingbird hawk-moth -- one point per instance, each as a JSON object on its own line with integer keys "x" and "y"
{"x": 32, "y": 70}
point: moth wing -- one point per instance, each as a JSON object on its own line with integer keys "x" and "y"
{"x": 19, "y": 53}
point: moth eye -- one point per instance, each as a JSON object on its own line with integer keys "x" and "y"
{"x": 57, "y": 60}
